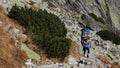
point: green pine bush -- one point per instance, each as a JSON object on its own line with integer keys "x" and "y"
{"x": 98, "y": 19}
{"x": 47, "y": 30}
{"x": 107, "y": 35}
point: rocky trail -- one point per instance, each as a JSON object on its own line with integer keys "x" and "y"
{"x": 101, "y": 52}
{"x": 97, "y": 57}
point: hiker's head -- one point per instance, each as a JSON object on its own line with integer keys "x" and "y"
{"x": 85, "y": 40}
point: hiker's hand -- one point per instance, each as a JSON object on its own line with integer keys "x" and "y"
{"x": 89, "y": 46}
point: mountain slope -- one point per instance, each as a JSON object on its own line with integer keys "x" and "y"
{"x": 10, "y": 56}
{"x": 76, "y": 14}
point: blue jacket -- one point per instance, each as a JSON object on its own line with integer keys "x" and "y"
{"x": 86, "y": 44}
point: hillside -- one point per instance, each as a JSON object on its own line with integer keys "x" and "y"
{"x": 10, "y": 56}
{"x": 14, "y": 52}
{"x": 75, "y": 15}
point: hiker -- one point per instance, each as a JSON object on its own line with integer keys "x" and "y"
{"x": 86, "y": 46}
{"x": 85, "y": 34}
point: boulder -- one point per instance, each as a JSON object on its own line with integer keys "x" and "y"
{"x": 72, "y": 60}
{"x": 8, "y": 26}
{"x": 14, "y": 31}
{"x": 21, "y": 37}
{"x": 30, "y": 53}
{"x": 118, "y": 46}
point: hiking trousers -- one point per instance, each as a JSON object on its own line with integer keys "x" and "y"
{"x": 86, "y": 49}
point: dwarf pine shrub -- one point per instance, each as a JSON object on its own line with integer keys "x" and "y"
{"x": 47, "y": 30}
{"x": 107, "y": 35}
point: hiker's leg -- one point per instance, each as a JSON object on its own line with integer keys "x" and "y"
{"x": 84, "y": 49}
{"x": 88, "y": 51}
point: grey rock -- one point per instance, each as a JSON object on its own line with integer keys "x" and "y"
{"x": 22, "y": 36}
{"x": 118, "y": 46}
{"x": 72, "y": 60}
{"x": 14, "y": 31}
{"x": 111, "y": 56}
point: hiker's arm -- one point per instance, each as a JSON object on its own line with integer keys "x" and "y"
{"x": 90, "y": 42}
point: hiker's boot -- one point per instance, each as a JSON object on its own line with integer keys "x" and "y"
{"x": 87, "y": 56}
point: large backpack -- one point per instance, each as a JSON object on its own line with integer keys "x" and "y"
{"x": 85, "y": 30}
{"x": 82, "y": 32}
